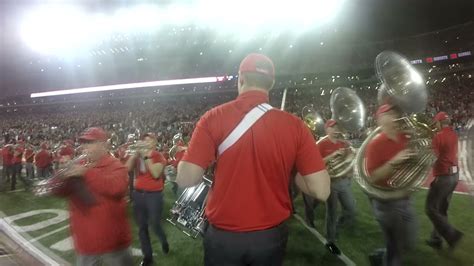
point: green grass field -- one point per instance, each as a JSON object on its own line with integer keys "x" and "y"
{"x": 303, "y": 247}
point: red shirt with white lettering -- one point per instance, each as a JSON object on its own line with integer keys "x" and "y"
{"x": 327, "y": 147}
{"x": 382, "y": 149}
{"x": 250, "y": 189}
{"x": 445, "y": 147}
{"x": 144, "y": 180}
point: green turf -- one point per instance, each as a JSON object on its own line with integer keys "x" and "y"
{"x": 303, "y": 248}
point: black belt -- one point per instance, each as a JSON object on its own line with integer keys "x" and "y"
{"x": 145, "y": 191}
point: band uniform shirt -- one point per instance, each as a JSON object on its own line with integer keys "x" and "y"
{"x": 43, "y": 159}
{"x": 19, "y": 151}
{"x": 250, "y": 189}
{"x": 445, "y": 147}
{"x": 29, "y": 155}
{"x": 7, "y": 155}
{"x": 144, "y": 180}
{"x": 382, "y": 149}
{"x": 327, "y": 147}
{"x": 104, "y": 226}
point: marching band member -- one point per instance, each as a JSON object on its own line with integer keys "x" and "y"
{"x": 99, "y": 227}
{"x": 148, "y": 195}
{"x": 446, "y": 177}
{"x": 17, "y": 166}
{"x": 340, "y": 187}
{"x": 7, "y": 158}
{"x": 249, "y": 200}
{"x": 43, "y": 161}
{"x": 29, "y": 157}
{"x": 396, "y": 216}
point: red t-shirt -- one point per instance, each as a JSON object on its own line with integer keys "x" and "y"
{"x": 144, "y": 180}
{"x": 250, "y": 187}
{"x": 7, "y": 155}
{"x": 43, "y": 159}
{"x": 380, "y": 150}
{"x": 327, "y": 147}
{"x": 19, "y": 154}
{"x": 445, "y": 146}
{"x": 29, "y": 155}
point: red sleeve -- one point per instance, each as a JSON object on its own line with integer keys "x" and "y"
{"x": 111, "y": 182}
{"x": 373, "y": 158}
{"x": 435, "y": 144}
{"x": 202, "y": 148}
{"x": 308, "y": 158}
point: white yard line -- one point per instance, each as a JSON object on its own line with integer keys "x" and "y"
{"x": 49, "y": 233}
{"x": 342, "y": 257}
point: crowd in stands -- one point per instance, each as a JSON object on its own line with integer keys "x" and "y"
{"x": 170, "y": 115}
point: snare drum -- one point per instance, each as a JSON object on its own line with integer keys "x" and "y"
{"x": 187, "y": 212}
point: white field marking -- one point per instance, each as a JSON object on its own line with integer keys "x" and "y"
{"x": 323, "y": 240}
{"x": 49, "y": 233}
{"x": 61, "y": 215}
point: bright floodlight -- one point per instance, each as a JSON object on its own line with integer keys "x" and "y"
{"x": 126, "y": 86}
{"x": 55, "y": 29}
{"x": 63, "y": 28}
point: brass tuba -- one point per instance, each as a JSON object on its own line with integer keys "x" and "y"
{"x": 349, "y": 112}
{"x": 402, "y": 86}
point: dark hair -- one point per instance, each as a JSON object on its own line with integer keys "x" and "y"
{"x": 257, "y": 80}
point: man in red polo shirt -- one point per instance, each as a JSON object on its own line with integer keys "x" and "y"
{"x": 249, "y": 200}
{"x": 395, "y": 216}
{"x": 148, "y": 195}
{"x": 99, "y": 227}
{"x": 341, "y": 190}
{"x": 446, "y": 177}
{"x": 43, "y": 161}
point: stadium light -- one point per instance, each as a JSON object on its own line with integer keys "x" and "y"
{"x": 62, "y": 28}
{"x": 127, "y": 86}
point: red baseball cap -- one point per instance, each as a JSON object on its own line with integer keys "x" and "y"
{"x": 257, "y": 63}
{"x": 383, "y": 109}
{"x": 441, "y": 116}
{"x": 93, "y": 134}
{"x": 330, "y": 123}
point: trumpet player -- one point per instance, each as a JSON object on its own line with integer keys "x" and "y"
{"x": 396, "y": 216}
{"x": 148, "y": 194}
{"x": 99, "y": 226}
{"x": 341, "y": 191}
{"x": 446, "y": 177}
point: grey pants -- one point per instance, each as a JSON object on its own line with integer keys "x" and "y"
{"x": 398, "y": 222}
{"x": 30, "y": 171}
{"x": 437, "y": 203}
{"x": 340, "y": 191}
{"x": 117, "y": 258}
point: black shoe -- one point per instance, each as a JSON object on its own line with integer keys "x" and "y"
{"x": 434, "y": 244}
{"x": 376, "y": 258}
{"x": 146, "y": 262}
{"x": 165, "y": 247}
{"x": 333, "y": 248}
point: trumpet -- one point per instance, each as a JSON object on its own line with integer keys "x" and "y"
{"x": 137, "y": 147}
{"x": 58, "y": 181}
